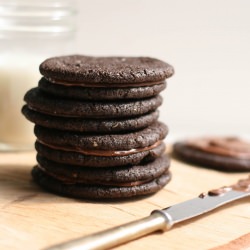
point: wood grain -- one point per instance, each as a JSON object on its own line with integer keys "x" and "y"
{"x": 242, "y": 243}
{"x": 33, "y": 219}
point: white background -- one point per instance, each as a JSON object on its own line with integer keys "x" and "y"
{"x": 207, "y": 42}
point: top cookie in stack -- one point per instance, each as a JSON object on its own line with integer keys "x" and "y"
{"x": 97, "y": 128}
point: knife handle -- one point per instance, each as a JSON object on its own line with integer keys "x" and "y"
{"x": 118, "y": 235}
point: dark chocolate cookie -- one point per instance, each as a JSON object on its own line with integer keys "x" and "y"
{"x": 105, "y": 70}
{"x": 48, "y": 104}
{"x": 79, "y": 159}
{"x": 97, "y": 129}
{"x": 94, "y": 93}
{"x": 90, "y": 125}
{"x": 95, "y": 144}
{"x": 221, "y": 153}
{"x": 93, "y": 191}
{"x": 118, "y": 176}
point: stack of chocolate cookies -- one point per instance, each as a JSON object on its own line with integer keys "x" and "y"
{"x": 97, "y": 128}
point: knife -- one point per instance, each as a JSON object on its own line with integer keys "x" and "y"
{"x": 160, "y": 219}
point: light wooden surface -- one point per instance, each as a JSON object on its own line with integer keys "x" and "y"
{"x": 32, "y": 218}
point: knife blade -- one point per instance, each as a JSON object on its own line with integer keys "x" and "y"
{"x": 160, "y": 219}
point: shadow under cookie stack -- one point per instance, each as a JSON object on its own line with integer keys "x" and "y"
{"x": 97, "y": 128}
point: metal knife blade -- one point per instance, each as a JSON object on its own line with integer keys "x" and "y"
{"x": 160, "y": 219}
{"x": 200, "y": 205}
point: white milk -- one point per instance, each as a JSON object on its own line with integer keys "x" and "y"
{"x": 18, "y": 73}
{"x": 30, "y": 31}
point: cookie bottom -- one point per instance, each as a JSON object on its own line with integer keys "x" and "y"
{"x": 76, "y": 158}
{"x": 98, "y": 191}
{"x": 101, "y": 93}
{"x": 126, "y": 175}
{"x": 209, "y": 160}
{"x": 90, "y": 125}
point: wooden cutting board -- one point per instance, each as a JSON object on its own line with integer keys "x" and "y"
{"x": 33, "y": 219}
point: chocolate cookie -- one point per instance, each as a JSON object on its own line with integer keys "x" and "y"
{"x": 221, "y": 153}
{"x": 103, "y": 145}
{"x": 79, "y": 159}
{"x": 97, "y": 129}
{"x": 118, "y": 176}
{"x": 93, "y": 93}
{"x": 93, "y": 191}
{"x": 56, "y": 106}
{"x": 109, "y": 71}
{"x": 90, "y": 125}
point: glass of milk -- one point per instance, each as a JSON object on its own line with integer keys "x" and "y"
{"x": 30, "y": 31}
